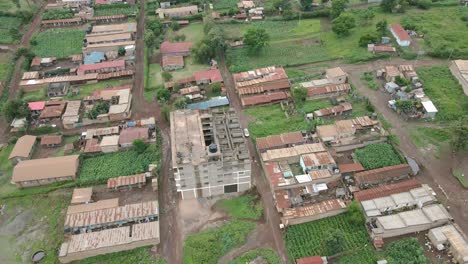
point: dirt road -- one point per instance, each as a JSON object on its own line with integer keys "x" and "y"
{"x": 35, "y": 26}
{"x": 271, "y": 215}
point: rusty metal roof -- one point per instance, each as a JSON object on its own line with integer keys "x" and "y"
{"x": 125, "y": 180}
{"x": 314, "y": 209}
{"x": 387, "y": 190}
{"x": 284, "y": 139}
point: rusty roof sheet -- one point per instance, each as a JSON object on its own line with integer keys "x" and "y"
{"x": 100, "y": 240}
{"x": 335, "y": 72}
{"x": 172, "y": 61}
{"x": 51, "y": 139}
{"x": 189, "y": 90}
{"x": 52, "y": 111}
{"x": 284, "y": 139}
{"x": 317, "y": 158}
{"x": 264, "y": 87}
{"x": 314, "y": 209}
{"x": 104, "y": 131}
{"x": 320, "y": 174}
{"x": 387, "y": 190}
{"x": 112, "y": 215}
{"x": 343, "y": 107}
{"x": 392, "y": 71}
{"x": 267, "y": 73}
{"x": 313, "y": 91}
{"x": 99, "y": 205}
{"x": 81, "y": 195}
{"x": 274, "y": 174}
{"x": 295, "y": 151}
{"x": 380, "y": 174}
{"x": 264, "y": 98}
{"x": 350, "y": 167}
{"x": 92, "y": 146}
{"x": 125, "y": 180}
{"x": 282, "y": 199}
{"x": 130, "y": 134}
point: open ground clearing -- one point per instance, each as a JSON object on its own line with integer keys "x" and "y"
{"x": 10, "y": 6}
{"x": 262, "y": 253}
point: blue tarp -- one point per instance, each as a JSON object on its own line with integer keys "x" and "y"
{"x": 94, "y": 57}
{"x": 213, "y": 102}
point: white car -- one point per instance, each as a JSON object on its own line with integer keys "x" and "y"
{"x": 246, "y": 132}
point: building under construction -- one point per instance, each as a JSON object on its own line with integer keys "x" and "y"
{"x": 209, "y": 155}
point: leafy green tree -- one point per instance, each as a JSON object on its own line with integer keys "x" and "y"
{"x": 150, "y": 39}
{"x": 306, "y": 5}
{"x": 334, "y": 242}
{"x": 299, "y": 95}
{"x": 388, "y": 5}
{"x": 367, "y": 38}
{"x": 343, "y": 24}
{"x": 459, "y": 131}
{"x": 16, "y": 109}
{"x": 167, "y": 76}
{"x": 407, "y": 106}
{"x": 175, "y": 26}
{"x": 424, "y": 4}
{"x": 98, "y": 109}
{"x": 216, "y": 88}
{"x": 210, "y": 46}
{"x": 368, "y": 15}
{"x": 181, "y": 102}
{"x": 355, "y": 215}
{"x": 381, "y": 27}
{"x": 256, "y": 38}
{"x": 155, "y": 26}
{"x": 139, "y": 146}
{"x": 282, "y": 4}
{"x": 163, "y": 94}
{"x": 338, "y": 6}
{"x": 121, "y": 51}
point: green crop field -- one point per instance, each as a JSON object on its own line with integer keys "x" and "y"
{"x": 59, "y": 43}
{"x": 116, "y": 9}
{"x": 445, "y": 92}
{"x": 102, "y": 167}
{"x": 307, "y": 239}
{"x": 208, "y": 246}
{"x": 376, "y": 156}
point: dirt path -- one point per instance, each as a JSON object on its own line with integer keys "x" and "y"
{"x": 435, "y": 172}
{"x": 35, "y": 25}
{"x": 273, "y": 233}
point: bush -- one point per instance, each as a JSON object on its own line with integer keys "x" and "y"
{"x": 139, "y": 146}
{"x": 406, "y": 251}
{"x": 424, "y": 4}
{"x": 367, "y": 38}
{"x": 167, "y": 76}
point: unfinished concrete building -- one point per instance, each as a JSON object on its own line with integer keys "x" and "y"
{"x": 209, "y": 155}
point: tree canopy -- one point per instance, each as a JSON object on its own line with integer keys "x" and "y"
{"x": 256, "y": 38}
{"x": 16, "y": 109}
{"x": 343, "y": 24}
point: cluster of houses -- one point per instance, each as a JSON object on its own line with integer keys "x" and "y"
{"x": 83, "y": 12}
{"x": 249, "y": 11}
{"x": 112, "y": 139}
{"x": 403, "y": 84}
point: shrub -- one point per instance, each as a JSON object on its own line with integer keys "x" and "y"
{"x": 140, "y": 146}
{"x": 424, "y": 4}
{"x": 367, "y": 38}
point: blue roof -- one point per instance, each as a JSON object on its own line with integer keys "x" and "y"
{"x": 213, "y": 102}
{"x": 94, "y": 57}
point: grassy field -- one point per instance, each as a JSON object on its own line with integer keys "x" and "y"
{"x": 242, "y": 207}
{"x": 445, "y": 92}
{"x": 154, "y": 80}
{"x": 193, "y": 32}
{"x": 209, "y": 246}
{"x": 98, "y": 169}
{"x": 59, "y": 43}
{"x": 445, "y": 32}
{"x": 267, "y": 254}
{"x": 423, "y": 137}
{"x": 6, "y": 23}
{"x": 10, "y": 6}
{"x": 190, "y": 67}
{"x": 139, "y": 255}
{"x": 369, "y": 79}
{"x": 38, "y": 95}
{"x": 271, "y": 120}
{"x": 5, "y": 65}
{"x": 299, "y": 243}
{"x": 36, "y": 225}
{"x": 88, "y": 89}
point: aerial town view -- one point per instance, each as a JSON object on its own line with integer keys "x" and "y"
{"x": 234, "y": 131}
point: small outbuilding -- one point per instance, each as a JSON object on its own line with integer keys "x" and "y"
{"x": 336, "y": 75}
{"x": 23, "y": 149}
{"x": 82, "y": 196}
{"x": 430, "y": 110}
{"x": 110, "y": 144}
{"x": 391, "y": 87}
{"x": 51, "y": 141}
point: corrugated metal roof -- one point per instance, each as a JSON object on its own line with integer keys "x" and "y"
{"x": 295, "y": 151}
{"x": 314, "y": 209}
{"x": 280, "y": 140}
{"x": 126, "y": 180}
{"x": 386, "y": 190}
